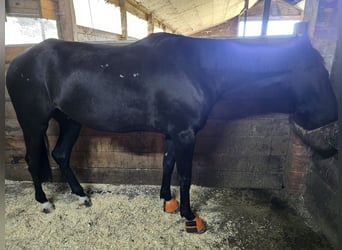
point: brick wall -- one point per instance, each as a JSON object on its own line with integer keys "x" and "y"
{"x": 299, "y": 158}
{"x": 324, "y": 39}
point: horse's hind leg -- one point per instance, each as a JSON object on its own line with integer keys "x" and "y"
{"x": 68, "y": 133}
{"x": 170, "y": 204}
{"x": 37, "y": 161}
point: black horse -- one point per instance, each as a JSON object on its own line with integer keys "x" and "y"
{"x": 164, "y": 83}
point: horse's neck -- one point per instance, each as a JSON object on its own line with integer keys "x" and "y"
{"x": 253, "y": 97}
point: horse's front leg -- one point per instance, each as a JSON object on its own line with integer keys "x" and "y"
{"x": 170, "y": 203}
{"x": 184, "y": 154}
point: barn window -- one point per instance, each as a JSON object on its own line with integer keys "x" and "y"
{"x": 23, "y": 30}
{"x": 98, "y": 14}
{"x": 136, "y": 27}
{"x": 274, "y": 27}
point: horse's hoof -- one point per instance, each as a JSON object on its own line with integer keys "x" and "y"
{"x": 47, "y": 207}
{"x": 195, "y": 226}
{"x": 87, "y": 203}
{"x": 171, "y": 206}
{"x": 84, "y": 201}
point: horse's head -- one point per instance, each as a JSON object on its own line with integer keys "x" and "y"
{"x": 278, "y": 76}
{"x": 316, "y": 104}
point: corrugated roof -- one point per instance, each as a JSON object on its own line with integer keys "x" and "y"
{"x": 188, "y": 16}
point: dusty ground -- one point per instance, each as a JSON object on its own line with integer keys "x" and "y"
{"x": 131, "y": 217}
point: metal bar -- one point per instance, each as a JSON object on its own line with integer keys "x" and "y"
{"x": 245, "y": 17}
{"x": 265, "y": 17}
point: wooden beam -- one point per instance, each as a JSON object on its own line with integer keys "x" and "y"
{"x": 150, "y": 24}
{"x": 136, "y": 9}
{"x": 24, "y": 8}
{"x": 124, "y": 32}
{"x": 66, "y": 20}
{"x": 140, "y": 11}
{"x": 48, "y": 9}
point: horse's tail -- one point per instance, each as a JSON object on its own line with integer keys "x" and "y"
{"x": 45, "y": 173}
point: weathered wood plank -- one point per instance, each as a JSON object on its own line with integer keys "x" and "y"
{"x": 14, "y": 143}
{"x": 250, "y": 164}
{"x": 150, "y": 24}
{"x": 266, "y": 165}
{"x": 138, "y": 143}
{"x": 124, "y": 33}
{"x": 48, "y": 9}
{"x": 23, "y": 8}
{"x": 9, "y": 111}
{"x": 116, "y": 160}
{"x": 12, "y": 128}
{"x": 153, "y": 177}
{"x": 141, "y": 143}
{"x": 11, "y": 51}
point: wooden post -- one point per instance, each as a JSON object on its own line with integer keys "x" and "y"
{"x": 265, "y": 17}
{"x": 310, "y": 15}
{"x": 150, "y": 24}
{"x": 66, "y": 20}
{"x": 123, "y": 19}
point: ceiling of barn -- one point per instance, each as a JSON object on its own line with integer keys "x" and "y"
{"x": 191, "y": 16}
{"x": 187, "y": 17}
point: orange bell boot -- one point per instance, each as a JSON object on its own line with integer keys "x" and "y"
{"x": 195, "y": 226}
{"x": 171, "y": 206}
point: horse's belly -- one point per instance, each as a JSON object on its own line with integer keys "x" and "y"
{"x": 123, "y": 119}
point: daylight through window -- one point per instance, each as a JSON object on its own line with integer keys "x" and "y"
{"x": 98, "y": 14}
{"x": 24, "y": 30}
{"x": 274, "y": 27}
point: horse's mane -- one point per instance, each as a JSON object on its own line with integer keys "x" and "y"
{"x": 257, "y": 54}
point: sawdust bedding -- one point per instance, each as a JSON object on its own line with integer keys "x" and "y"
{"x": 132, "y": 217}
